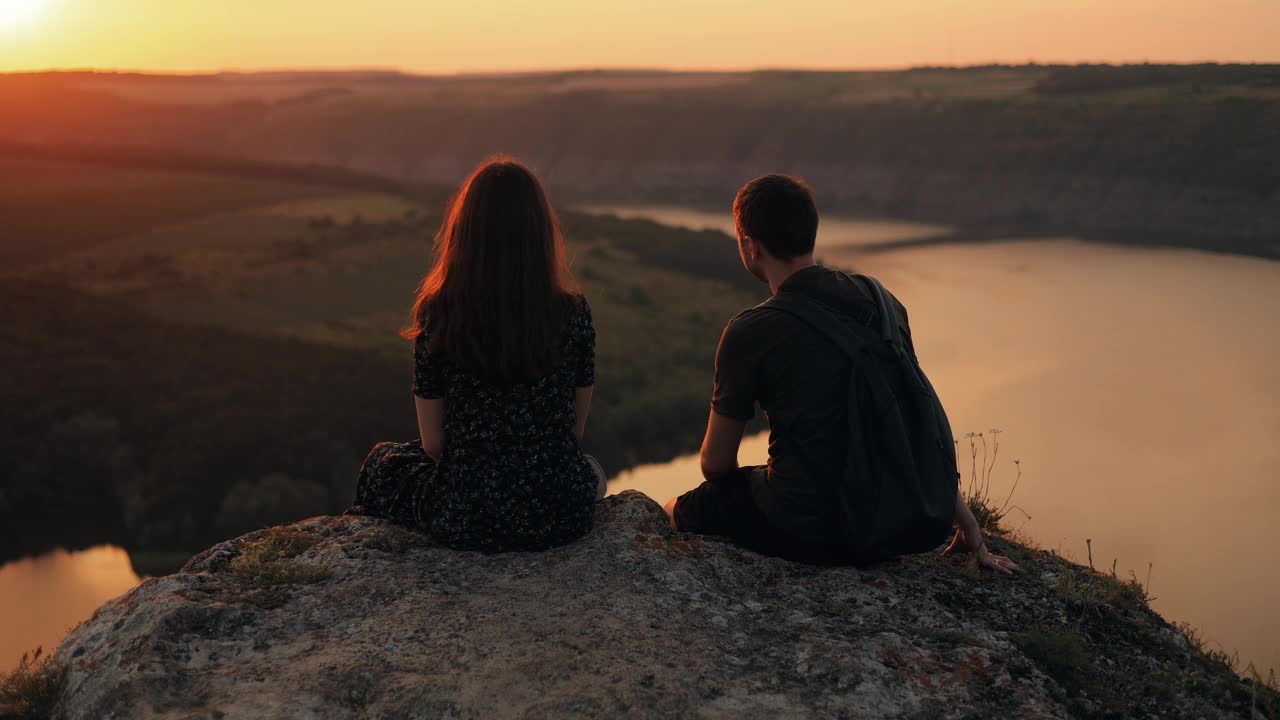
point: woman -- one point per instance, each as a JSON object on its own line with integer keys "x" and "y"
{"x": 504, "y": 354}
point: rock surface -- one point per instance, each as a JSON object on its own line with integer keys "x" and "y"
{"x": 345, "y": 617}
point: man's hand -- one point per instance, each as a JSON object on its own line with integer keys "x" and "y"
{"x": 972, "y": 542}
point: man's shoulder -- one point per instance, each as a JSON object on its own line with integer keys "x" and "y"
{"x": 841, "y": 291}
{"x": 755, "y": 320}
{"x": 852, "y": 294}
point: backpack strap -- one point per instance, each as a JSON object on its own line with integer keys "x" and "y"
{"x": 893, "y": 331}
{"x": 889, "y": 329}
{"x": 893, "y": 335}
{"x": 831, "y": 323}
{"x": 850, "y": 337}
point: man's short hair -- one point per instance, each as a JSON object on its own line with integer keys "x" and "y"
{"x": 779, "y": 212}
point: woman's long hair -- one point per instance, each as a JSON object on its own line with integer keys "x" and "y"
{"x": 498, "y": 297}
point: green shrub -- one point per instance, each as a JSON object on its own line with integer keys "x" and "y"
{"x": 1060, "y": 654}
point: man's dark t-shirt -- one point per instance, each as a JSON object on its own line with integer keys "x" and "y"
{"x": 801, "y": 380}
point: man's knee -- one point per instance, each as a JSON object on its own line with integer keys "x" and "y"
{"x": 670, "y": 509}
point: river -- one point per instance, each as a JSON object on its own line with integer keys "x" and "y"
{"x": 1138, "y": 388}
{"x": 42, "y": 598}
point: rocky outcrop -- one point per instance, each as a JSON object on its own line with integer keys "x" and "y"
{"x": 345, "y": 617}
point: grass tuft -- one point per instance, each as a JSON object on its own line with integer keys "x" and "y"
{"x": 32, "y": 689}
{"x": 1204, "y": 680}
{"x": 394, "y": 539}
{"x": 273, "y": 560}
{"x": 1201, "y": 645}
{"x": 1264, "y": 692}
{"x": 1092, "y": 589}
{"x": 1060, "y": 654}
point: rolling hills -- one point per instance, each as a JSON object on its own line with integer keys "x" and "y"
{"x": 1150, "y": 154}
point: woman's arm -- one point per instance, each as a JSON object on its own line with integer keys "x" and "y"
{"x": 581, "y": 408}
{"x": 431, "y": 425}
{"x": 969, "y": 539}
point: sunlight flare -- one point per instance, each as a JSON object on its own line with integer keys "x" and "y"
{"x": 16, "y": 14}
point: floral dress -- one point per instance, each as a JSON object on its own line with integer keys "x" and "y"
{"x": 512, "y": 476}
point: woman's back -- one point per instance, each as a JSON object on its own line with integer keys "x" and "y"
{"x": 511, "y": 475}
{"x": 504, "y": 353}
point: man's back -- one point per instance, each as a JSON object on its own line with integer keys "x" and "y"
{"x": 800, "y": 379}
{"x": 822, "y": 498}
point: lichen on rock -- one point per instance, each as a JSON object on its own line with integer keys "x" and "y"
{"x": 346, "y": 617}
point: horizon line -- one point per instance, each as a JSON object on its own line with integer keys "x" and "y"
{"x": 589, "y": 69}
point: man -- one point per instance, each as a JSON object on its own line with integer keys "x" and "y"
{"x": 800, "y": 379}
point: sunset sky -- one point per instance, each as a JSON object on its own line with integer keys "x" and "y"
{"x": 432, "y": 36}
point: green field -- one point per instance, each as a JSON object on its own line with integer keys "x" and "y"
{"x": 51, "y": 208}
{"x": 182, "y": 376}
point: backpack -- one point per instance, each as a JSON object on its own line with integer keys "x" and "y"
{"x": 898, "y": 492}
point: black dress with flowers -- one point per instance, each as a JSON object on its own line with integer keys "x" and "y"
{"x": 512, "y": 476}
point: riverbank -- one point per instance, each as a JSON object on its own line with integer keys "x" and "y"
{"x": 905, "y": 230}
{"x": 1262, "y": 248}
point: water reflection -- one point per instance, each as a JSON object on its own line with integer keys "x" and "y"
{"x": 44, "y": 597}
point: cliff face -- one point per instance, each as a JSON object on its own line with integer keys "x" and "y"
{"x": 344, "y": 617}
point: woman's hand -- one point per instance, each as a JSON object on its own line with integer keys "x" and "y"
{"x": 965, "y": 542}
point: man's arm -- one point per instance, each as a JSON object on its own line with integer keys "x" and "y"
{"x": 732, "y": 405}
{"x": 720, "y": 446}
{"x": 719, "y": 454}
{"x": 969, "y": 539}
{"x": 733, "y": 398}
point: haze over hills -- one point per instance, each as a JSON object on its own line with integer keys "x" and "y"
{"x": 1175, "y": 155}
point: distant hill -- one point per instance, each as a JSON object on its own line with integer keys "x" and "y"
{"x": 1176, "y": 155}
{"x": 64, "y": 198}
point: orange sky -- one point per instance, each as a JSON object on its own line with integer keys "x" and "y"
{"x": 432, "y": 36}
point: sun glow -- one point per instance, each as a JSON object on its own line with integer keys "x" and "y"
{"x": 15, "y": 14}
